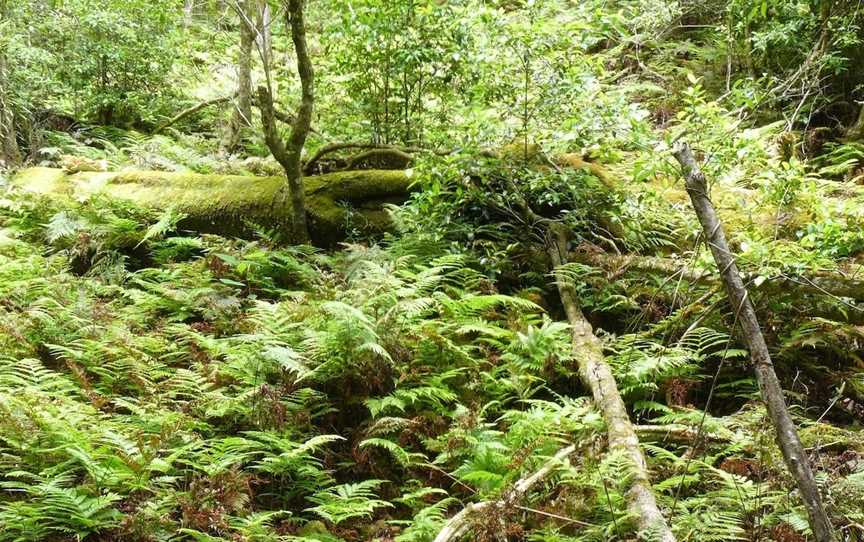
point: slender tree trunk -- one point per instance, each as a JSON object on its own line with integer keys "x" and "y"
{"x": 856, "y": 131}
{"x": 596, "y": 374}
{"x": 769, "y": 385}
{"x": 188, "y": 11}
{"x": 289, "y": 153}
{"x": 10, "y": 154}
{"x": 242, "y": 113}
{"x": 265, "y": 34}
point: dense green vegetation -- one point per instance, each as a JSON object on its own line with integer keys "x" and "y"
{"x": 177, "y": 362}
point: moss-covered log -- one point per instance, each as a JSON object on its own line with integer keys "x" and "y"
{"x": 225, "y": 204}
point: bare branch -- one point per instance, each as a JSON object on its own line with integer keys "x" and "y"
{"x": 769, "y": 385}
{"x": 461, "y": 523}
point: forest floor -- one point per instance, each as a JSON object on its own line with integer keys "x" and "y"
{"x": 161, "y": 382}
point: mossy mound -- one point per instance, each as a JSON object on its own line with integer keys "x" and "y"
{"x": 225, "y": 204}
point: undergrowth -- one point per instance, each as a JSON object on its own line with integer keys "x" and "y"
{"x": 157, "y": 385}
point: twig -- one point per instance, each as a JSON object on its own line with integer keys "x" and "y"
{"x": 459, "y": 524}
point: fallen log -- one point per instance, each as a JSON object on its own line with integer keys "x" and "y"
{"x": 596, "y": 374}
{"x": 769, "y": 385}
{"x": 227, "y": 204}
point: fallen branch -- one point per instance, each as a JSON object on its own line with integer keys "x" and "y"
{"x": 461, "y": 523}
{"x": 769, "y": 385}
{"x": 191, "y": 111}
{"x": 597, "y": 376}
{"x": 820, "y": 282}
{"x": 279, "y": 115}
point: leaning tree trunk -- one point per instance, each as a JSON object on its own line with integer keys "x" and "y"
{"x": 769, "y": 385}
{"x": 596, "y": 374}
{"x": 242, "y": 112}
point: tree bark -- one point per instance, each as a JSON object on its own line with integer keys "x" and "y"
{"x": 596, "y": 374}
{"x": 769, "y": 385}
{"x": 289, "y": 153}
{"x": 241, "y": 116}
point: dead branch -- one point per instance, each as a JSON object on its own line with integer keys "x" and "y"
{"x": 191, "y": 111}
{"x": 279, "y": 115}
{"x": 769, "y": 385}
{"x": 459, "y": 524}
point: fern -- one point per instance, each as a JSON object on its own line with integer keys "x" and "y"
{"x": 347, "y": 501}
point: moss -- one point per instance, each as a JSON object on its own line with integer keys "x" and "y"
{"x": 42, "y": 180}
{"x": 225, "y": 204}
{"x": 828, "y": 436}
{"x": 575, "y": 161}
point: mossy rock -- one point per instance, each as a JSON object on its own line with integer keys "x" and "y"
{"x": 226, "y": 204}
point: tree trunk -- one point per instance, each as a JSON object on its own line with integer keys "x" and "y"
{"x": 10, "y": 155}
{"x": 856, "y": 131}
{"x": 289, "y": 153}
{"x": 242, "y": 112}
{"x": 596, "y": 374}
{"x": 188, "y": 12}
{"x": 769, "y": 385}
{"x": 264, "y": 36}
